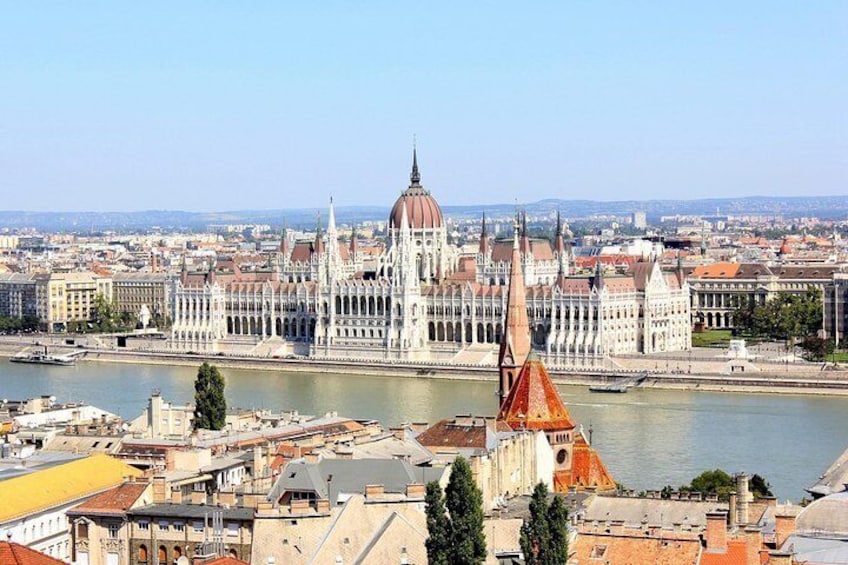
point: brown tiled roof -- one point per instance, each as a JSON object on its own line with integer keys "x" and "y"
{"x": 587, "y": 469}
{"x": 637, "y": 549}
{"x": 455, "y": 433}
{"x": 224, "y": 561}
{"x": 16, "y": 554}
{"x": 540, "y": 248}
{"x": 114, "y": 501}
{"x": 533, "y": 402}
{"x": 735, "y": 554}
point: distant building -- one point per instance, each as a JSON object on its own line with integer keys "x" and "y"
{"x": 639, "y": 220}
{"x": 69, "y": 297}
{"x": 17, "y": 295}
{"x": 132, "y": 291}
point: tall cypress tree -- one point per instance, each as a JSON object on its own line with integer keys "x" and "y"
{"x": 210, "y": 405}
{"x": 558, "y": 529}
{"x": 544, "y": 536}
{"x": 438, "y": 527}
{"x": 535, "y": 533}
{"x": 465, "y": 505}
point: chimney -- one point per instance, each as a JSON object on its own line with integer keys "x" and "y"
{"x": 743, "y": 498}
{"x": 617, "y": 527}
{"x": 717, "y": 531}
{"x": 398, "y": 432}
{"x": 177, "y": 495}
{"x": 733, "y": 509}
{"x": 415, "y": 490}
{"x": 252, "y": 499}
{"x": 784, "y": 526}
{"x": 753, "y": 545}
{"x": 258, "y": 462}
{"x": 780, "y": 558}
{"x": 322, "y": 505}
{"x": 299, "y": 506}
{"x": 311, "y": 457}
{"x": 198, "y": 497}
{"x": 374, "y": 492}
{"x": 160, "y": 492}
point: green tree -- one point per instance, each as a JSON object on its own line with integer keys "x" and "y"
{"x": 465, "y": 506}
{"x": 210, "y": 410}
{"x": 438, "y": 526}
{"x": 544, "y": 536}
{"x": 558, "y": 524}
{"x": 535, "y": 532}
{"x": 713, "y": 482}
{"x": 759, "y": 486}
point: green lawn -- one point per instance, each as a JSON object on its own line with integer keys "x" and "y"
{"x": 839, "y": 356}
{"x": 711, "y": 338}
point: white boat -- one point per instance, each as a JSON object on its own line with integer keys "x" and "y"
{"x": 43, "y": 358}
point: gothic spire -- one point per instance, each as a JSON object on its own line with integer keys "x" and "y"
{"x": 484, "y": 238}
{"x": 515, "y": 343}
{"x": 331, "y": 221}
{"x": 415, "y": 176}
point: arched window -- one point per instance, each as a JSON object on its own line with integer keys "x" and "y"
{"x": 142, "y": 553}
{"x": 163, "y": 555}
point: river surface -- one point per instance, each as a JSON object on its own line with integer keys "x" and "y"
{"x": 647, "y": 438}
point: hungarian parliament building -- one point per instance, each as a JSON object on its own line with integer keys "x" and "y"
{"x": 418, "y": 300}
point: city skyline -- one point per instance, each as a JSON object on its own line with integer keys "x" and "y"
{"x": 201, "y": 108}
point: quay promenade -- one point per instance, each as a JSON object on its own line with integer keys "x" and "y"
{"x": 702, "y": 370}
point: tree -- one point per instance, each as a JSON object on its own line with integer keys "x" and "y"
{"x": 210, "y": 410}
{"x": 759, "y": 486}
{"x": 464, "y": 502}
{"x": 535, "y": 532}
{"x": 544, "y": 536}
{"x": 438, "y": 526}
{"x": 713, "y": 482}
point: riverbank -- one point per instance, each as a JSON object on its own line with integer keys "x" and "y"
{"x": 787, "y": 381}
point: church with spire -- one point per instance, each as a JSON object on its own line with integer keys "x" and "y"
{"x": 529, "y": 400}
{"x": 406, "y": 298}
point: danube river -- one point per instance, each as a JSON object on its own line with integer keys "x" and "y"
{"x": 648, "y": 438}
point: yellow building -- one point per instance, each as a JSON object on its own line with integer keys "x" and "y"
{"x": 69, "y": 297}
{"x": 34, "y": 507}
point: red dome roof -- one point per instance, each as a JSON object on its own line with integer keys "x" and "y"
{"x": 422, "y": 210}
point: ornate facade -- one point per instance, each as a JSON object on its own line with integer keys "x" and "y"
{"x": 321, "y": 298}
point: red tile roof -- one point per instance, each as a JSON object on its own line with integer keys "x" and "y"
{"x": 735, "y": 554}
{"x": 587, "y": 469}
{"x": 635, "y": 548}
{"x": 16, "y": 554}
{"x": 533, "y": 402}
{"x": 114, "y": 501}
{"x": 224, "y": 561}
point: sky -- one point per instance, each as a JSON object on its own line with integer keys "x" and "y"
{"x": 206, "y": 106}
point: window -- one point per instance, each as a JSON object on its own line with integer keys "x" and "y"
{"x": 113, "y": 530}
{"x": 144, "y": 525}
{"x": 598, "y": 552}
{"x": 142, "y": 553}
{"x": 82, "y": 530}
{"x": 163, "y": 526}
{"x": 232, "y": 529}
{"x": 179, "y": 526}
{"x": 198, "y": 527}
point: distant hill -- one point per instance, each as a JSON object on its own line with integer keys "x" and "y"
{"x": 826, "y": 207}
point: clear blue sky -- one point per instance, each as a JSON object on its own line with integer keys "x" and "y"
{"x": 234, "y": 105}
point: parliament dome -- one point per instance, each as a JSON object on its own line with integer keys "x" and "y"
{"x": 422, "y": 210}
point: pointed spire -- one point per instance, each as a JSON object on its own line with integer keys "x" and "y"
{"x": 404, "y": 219}
{"x": 515, "y": 343}
{"x": 415, "y": 176}
{"x": 318, "y": 246}
{"x": 559, "y": 242}
{"x": 598, "y": 283}
{"x": 484, "y": 238}
{"x": 353, "y": 245}
{"x": 331, "y": 220}
{"x": 284, "y": 241}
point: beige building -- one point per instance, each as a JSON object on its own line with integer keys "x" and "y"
{"x": 69, "y": 297}
{"x": 132, "y": 291}
{"x": 99, "y": 527}
{"x": 505, "y": 463}
{"x": 164, "y": 420}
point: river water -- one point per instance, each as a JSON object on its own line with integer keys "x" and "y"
{"x": 647, "y": 438}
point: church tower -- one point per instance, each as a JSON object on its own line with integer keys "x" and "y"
{"x": 515, "y": 344}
